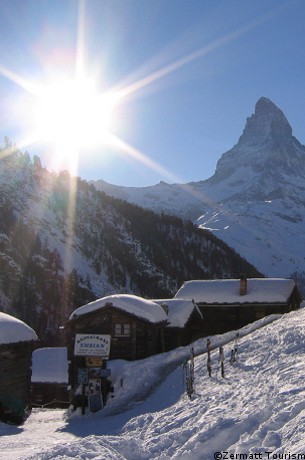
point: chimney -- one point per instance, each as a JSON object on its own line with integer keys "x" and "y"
{"x": 243, "y": 285}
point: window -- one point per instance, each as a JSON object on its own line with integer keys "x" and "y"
{"x": 122, "y": 330}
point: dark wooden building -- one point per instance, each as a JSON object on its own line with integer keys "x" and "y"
{"x": 185, "y": 322}
{"x": 17, "y": 341}
{"x": 136, "y": 325}
{"x": 230, "y": 304}
{"x": 115, "y": 327}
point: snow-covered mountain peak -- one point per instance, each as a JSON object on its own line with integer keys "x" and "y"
{"x": 255, "y": 201}
{"x": 268, "y": 123}
{"x": 266, "y": 146}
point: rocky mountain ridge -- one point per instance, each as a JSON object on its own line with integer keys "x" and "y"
{"x": 63, "y": 244}
{"x": 255, "y": 201}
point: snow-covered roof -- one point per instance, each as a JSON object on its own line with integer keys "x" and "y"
{"x": 13, "y": 330}
{"x": 179, "y": 310}
{"x": 50, "y": 365}
{"x": 142, "y": 308}
{"x": 259, "y": 290}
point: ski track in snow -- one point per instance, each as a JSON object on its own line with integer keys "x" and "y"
{"x": 259, "y": 406}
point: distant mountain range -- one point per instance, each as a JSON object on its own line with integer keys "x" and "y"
{"x": 63, "y": 244}
{"x": 255, "y": 201}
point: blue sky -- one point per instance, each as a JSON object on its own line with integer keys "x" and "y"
{"x": 193, "y": 70}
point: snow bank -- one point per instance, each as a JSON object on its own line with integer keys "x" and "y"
{"x": 137, "y": 379}
{"x": 257, "y": 408}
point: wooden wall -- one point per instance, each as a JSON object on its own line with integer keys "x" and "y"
{"x": 50, "y": 395}
{"x": 15, "y": 370}
{"x": 223, "y": 318}
{"x": 181, "y": 336}
{"x": 145, "y": 338}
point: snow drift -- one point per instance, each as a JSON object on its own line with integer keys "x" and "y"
{"x": 258, "y": 408}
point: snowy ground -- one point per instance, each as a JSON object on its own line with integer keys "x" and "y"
{"x": 256, "y": 411}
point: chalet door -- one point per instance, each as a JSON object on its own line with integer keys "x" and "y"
{"x": 144, "y": 342}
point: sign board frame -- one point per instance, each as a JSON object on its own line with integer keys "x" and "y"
{"x": 92, "y": 345}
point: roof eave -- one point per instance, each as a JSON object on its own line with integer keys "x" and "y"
{"x": 77, "y": 318}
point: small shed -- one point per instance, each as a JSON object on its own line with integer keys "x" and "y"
{"x": 185, "y": 322}
{"x": 229, "y": 304}
{"x": 49, "y": 383}
{"x": 118, "y": 326}
{"x": 17, "y": 341}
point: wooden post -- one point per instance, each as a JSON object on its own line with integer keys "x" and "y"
{"x": 83, "y": 399}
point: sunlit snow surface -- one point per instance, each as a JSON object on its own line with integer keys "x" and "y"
{"x": 135, "y": 305}
{"x": 259, "y": 290}
{"x": 258, "y": 407}
{"x": 13, "y": 330}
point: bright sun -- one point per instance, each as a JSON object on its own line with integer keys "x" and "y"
{"x": 72, "y": 115}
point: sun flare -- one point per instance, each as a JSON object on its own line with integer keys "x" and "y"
{"x": 72, "y": 115}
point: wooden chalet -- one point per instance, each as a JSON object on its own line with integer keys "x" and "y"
{"x": 230, "y": 304}
{"x": 185, "y": 322}
{"x": 115, "y": 327}
{"x": 17, "y": 341}
{"x": 135, "y": 325}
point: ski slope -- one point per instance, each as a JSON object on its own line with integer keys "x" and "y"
{"x": 256, "y": 411}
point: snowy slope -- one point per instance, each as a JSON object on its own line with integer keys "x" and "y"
{"x": 255, "y": 201}
{"x": 257, "y": 409}
{"x": 63, "y": 244}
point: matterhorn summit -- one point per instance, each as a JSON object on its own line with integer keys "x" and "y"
{"x": 267, "y": 123}
{"x": 267, "y": 146}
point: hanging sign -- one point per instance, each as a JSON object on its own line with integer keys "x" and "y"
{"x": 92, "y": 345}
{"x": 94, "y": 361}
{"x": 82, "y": 375}
{"x": 95, "y": 402}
